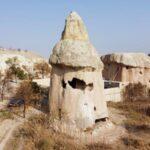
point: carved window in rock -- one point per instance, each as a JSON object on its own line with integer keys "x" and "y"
{"x": 76, "y": 83}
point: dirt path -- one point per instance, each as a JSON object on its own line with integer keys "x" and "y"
{"x": 8, "y": 126}
{"x": 7, "y": 129}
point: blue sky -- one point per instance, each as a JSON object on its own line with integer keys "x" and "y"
{"x": 113, "y": 25}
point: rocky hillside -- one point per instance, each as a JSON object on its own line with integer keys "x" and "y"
{"x": 25, "y": 58}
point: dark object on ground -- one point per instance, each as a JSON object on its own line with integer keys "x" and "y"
{"x": 16, "y": 103}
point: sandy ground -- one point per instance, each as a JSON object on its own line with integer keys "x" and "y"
{"x": 9, "y": 125}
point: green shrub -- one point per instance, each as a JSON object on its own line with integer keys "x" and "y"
{"x": 18, "y": 72}
{"x": 21, "y": 74}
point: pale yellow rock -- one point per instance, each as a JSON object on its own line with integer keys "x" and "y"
{"x": 74, "y": 49}
{"x": 127, "y": 67}
{"x": 76, "y": 91}
{"x": 140, "y": 60}
{"x": 75, "y": 28}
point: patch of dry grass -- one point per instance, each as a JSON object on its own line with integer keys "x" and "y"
{"x": 137, "y": 123}
{"x": 133, "y": 142}
{"x": 137, "y": 114}
{"x": 136, "y": 108}
{"x": 36, "y": 134}
{"x": 136, "y": 91}
{"x": 5, "y": 114}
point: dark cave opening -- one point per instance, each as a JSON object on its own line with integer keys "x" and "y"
{"x": 101, "y": 120}
{"x": 80, "y": 84}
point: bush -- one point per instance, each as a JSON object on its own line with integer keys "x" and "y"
{"x": 18, "y": 72}
{"x": 21, "y": 75}
{"x": 135, "y": 92}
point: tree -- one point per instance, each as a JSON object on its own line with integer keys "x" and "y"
{"x": 15, "y": 69}
{"x": 4, "y": 83}
{"x": 18, "y": 72}
{"x": 12, "y": 63}
{"x": 29, "y": 92}
{"x": 43, "y": 68}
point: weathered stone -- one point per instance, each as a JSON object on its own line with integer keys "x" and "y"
{"x": 139, "y": 60}
{"x": 75, "y": 28}
{"x": 127, "y": 67}
{"x": 74, "y": 49}
{"x": 76, "y": 91}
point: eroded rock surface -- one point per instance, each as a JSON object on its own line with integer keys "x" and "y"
{"x": 74, "y": 49}
{"x": 76, "y": 91}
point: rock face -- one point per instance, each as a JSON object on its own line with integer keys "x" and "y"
{"x": 74, "y": 49}
{"x": 140, "y": 60}
{"x": 24, "y": 58}
{"x": 127, "y": 67}
{"x": 76, "y": 91}
{"x": 75, "y": 28}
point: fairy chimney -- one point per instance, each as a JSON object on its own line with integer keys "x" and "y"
{"x": 76, "y": 90}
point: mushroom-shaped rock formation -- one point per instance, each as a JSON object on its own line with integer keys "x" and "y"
{"x": 74, "y": 49}
{"x": 76, "y": 91}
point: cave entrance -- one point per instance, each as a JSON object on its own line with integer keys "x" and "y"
{"x": 77, "y": 84}
{"x": 80, "y": 84}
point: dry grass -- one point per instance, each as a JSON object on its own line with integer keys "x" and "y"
{"x": 36, "y": 134}
{"x": 136, "y": 108}
{"x": 5, "y": 114}
{"x": 133, "y": 142}
{"x": 137, "y": 123}
{"x": 136, "y": 91}
{"x": 137, "y": 114}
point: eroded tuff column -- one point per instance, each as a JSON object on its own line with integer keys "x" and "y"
{"x": 76, "y": 92}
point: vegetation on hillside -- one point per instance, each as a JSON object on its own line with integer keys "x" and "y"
{"x": 4, "y": 84}
{"x": 30, "y": 92}
{"x": 42, "y": 68}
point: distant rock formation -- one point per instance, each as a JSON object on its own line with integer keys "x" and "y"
{"x": 140, "y": 60}
{"x": 127, "y": 67}
{"x": 25, "y": 59}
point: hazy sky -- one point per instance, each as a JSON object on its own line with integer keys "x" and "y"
{"x": 113, "y": 25}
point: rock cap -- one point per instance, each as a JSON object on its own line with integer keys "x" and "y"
{"x": 74, "y": 49}
{"x": 140, "y": 60}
